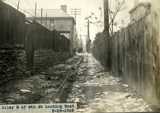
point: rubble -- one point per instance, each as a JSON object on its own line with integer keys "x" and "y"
{"x": 12, "y": 64}
{"x": 74, "y": 81}
{"x": 25, "y": 91}
{"x": 99, "y": 91}
{"x": 46, "y": 87}
{"x": 44, "y": 59}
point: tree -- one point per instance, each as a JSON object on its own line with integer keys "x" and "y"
{"x": 119, "y": 6}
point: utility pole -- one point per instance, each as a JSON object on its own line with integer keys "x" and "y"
{"x": 88, "y": 40}
{"x": 106, "y": 17}
{"x": 75, "y": 12}
{"x": 107, "y": 52}
{"x": 88, "y": 29}
{"x": 35, "y": 9}
{"x": 18, "y": 5}
{"x": 46, "y": 19}
{"x": 41, "y": 14}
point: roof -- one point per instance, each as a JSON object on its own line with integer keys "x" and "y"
{"x": 146, "y": 5}
{"x": 56, "y": 13}
{"x": 52, "y": 13}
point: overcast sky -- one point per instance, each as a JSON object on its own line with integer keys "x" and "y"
{"x": 86, "y": 6}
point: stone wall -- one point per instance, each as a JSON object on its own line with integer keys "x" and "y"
{"x": 12, "y": 64}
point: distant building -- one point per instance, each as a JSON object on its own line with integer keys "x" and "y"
{"x": 58, "y": 19}
{"x": 139, "y": 11}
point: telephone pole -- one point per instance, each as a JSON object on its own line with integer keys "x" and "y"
{"x": 88, "y": 29}
{"x": 75, "y": 12}
{"x": 35, "y": 9}
{"x": 107, "y": 52}
{"x": 41, "y": 15}
{"x": 88, "y": 40}
{"x": 18, "y": 5}
{"x": 106, "y": 17}
{"x": 46, "y": 19}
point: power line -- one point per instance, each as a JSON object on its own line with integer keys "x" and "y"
{"x": 75, "y": 12}
{"x": 15, "y": 5}
{"x": 18, "y": 5}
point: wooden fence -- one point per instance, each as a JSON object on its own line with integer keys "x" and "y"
{"x": 12, "y": 26}
{"x": 17, "y": 32}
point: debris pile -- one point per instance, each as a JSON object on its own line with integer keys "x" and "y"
{"x": 12, "y": 63}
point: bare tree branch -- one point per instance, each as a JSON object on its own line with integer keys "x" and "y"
{"x": 113, "y": 15}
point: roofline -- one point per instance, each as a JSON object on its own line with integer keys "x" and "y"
{"x": 65, "y": 18}
{"x": 53, "y": 18}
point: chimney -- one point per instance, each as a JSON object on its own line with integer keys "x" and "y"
{"x": 64, "y": 8}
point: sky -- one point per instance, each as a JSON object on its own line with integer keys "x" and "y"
{"x": 86, "y": 6}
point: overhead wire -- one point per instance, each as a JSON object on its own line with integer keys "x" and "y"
{"x": 14, "y": 4}
{"x": 27, "y": 9}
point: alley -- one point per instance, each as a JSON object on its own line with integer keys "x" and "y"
{"x": 103, "y": 56}
{"x": 80, "y": 79}
{"x": 98, "y": 91}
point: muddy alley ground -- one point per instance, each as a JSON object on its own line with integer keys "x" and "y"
{"x": 49, "y": 86}
{"x": 80, "y": 79}
{"x": 97, "y": 91}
